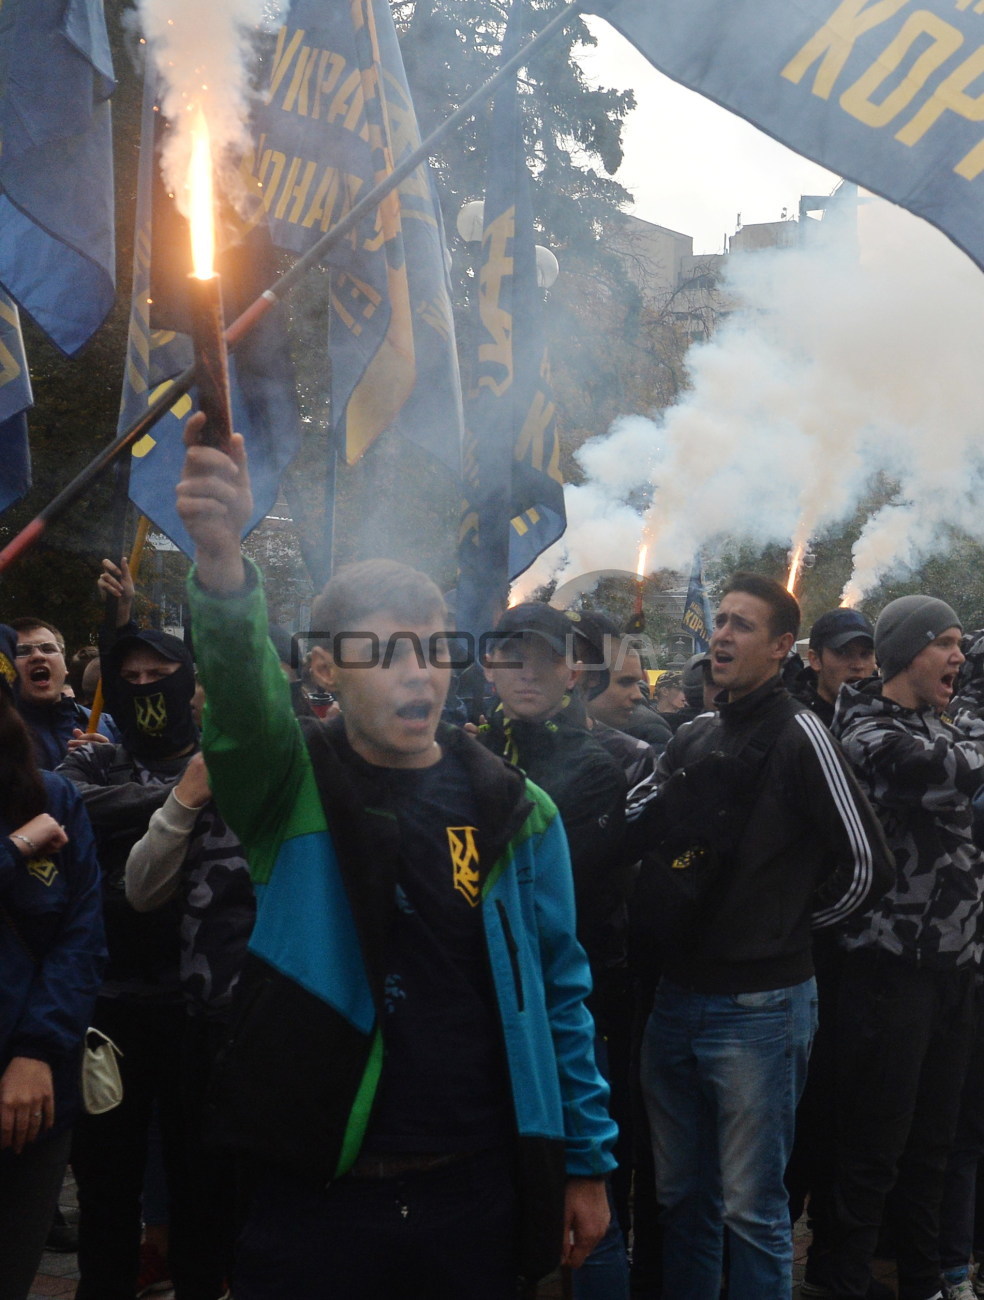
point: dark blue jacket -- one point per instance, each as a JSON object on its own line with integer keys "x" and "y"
{"x": 51, "y": 946}
{"x": 51, "y": 727}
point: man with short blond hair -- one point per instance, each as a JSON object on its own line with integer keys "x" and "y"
{"x": 412, "y": 1071}
{"x": 53, "y": 717}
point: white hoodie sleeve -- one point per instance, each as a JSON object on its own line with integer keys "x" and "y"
{"x": 153, "y": 869}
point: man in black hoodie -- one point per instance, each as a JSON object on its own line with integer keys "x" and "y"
{"x": 754, "y": 819}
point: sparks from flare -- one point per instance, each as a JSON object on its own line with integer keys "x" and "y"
{"x": 641, "y": 566}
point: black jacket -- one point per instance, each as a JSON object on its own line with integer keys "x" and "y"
{"x": 808, "y": 850}
{"x": 804, "y": 689}
{"x": 589, "y": 788}
{"x": 120, "y": 796}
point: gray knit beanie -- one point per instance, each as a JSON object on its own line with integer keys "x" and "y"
{"x": 906, "y": 626}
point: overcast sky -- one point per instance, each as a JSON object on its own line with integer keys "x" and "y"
{"x": 691, "y": 165}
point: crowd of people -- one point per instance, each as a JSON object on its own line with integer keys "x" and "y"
{"x": 424, "y": 982}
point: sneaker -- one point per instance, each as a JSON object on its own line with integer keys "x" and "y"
{"x": 154, "y": 1273}
{"x": 962, "y": 1290}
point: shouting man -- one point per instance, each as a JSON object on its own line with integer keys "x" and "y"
{"x": 412, "y": 1068}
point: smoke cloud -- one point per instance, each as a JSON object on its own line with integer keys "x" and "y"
{"x": 202, "y": 51}
{"x": 837, "y": 367}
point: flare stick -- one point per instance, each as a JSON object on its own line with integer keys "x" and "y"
{"x": 211, "y": 360}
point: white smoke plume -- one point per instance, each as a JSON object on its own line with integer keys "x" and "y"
{"x": 835, "y": 370}
{"x": 202, "y": 50}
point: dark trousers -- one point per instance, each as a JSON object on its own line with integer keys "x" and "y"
{"x": 810, "y": 1172}
{"x": 211, "y": 1213}
{"x": 443, "y": 1234}
{"x": 109, "y": 1151}
{"x": 904, "y": 1035}
{"x": 29, "y": 1187}
{"x": 958, "y": 1208}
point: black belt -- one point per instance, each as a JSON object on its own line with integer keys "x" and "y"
{"x": 384, "y": 1166}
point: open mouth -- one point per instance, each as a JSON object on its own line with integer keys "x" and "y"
{"x": 40, "y": 674}
{"x": 418, "y": 711}
{"x": 949, "y": 681}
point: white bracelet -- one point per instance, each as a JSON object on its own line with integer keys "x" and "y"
{"x": 24, "y": 840}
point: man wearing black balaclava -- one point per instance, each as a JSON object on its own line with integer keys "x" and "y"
{"x": 148, "y": 682}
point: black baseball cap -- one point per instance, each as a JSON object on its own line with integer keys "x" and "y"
{"x": 167, "y": 646}
{"x": 838, "y": 627}
{"x": 539, "y": 619}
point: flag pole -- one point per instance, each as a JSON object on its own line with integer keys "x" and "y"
{"x": 241, "y": 326}
{"x": 136, "y": 555}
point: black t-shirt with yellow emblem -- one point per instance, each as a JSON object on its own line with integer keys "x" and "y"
{"x": 444, "y": 1085}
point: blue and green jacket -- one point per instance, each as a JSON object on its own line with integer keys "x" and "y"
{"x": 301, "y": 1069}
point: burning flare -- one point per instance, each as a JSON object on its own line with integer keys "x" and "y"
{"x": 202, "y": 203}
{"x": 795, "y": 567}
{"x": 641, "y": 566}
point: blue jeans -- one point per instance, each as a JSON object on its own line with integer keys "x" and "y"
{"x": 722, "y": 1074}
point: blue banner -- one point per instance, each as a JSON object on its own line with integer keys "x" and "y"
{"x": 264, "y": 402}
{"x": 57, "y": 250}
{"x": 514, "y": 506}
{"x": 15, "y": 398}
{"x": 336, "y": 120}
{"x": 697, "y": 611}
{"x": 887, "y": 93}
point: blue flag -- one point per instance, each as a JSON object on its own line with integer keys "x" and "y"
{"x": 264, "y": 401}
{"x": 514, "y": 506}
{"x": 15, "y": 398}
{"x": 884, "y": 92}
{"x": 336, "y": 120}
{"x": 697, "y": 612}
{"x": 57, "y": 251}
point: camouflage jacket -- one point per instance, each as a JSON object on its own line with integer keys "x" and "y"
{"x": 920, "y": 774}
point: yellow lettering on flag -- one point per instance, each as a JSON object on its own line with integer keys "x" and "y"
{"x": 833, "y": 43}
{"x": 10, "y": 367}
{"x": 496, "y": 268}
{"x": 333, "y": 65}
{"x": 283, "y": 57}
{"x": 950, "y": 96}
{"x": 945, "y": 40}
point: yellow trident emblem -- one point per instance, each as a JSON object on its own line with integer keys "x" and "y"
{"x": 151, "y": 714}
{"x": 42, "y": 869}
{"x": 464, "y": 860}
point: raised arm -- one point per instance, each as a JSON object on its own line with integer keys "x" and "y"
{"x": 153, "y": 869}
{"x": 252, "y": 743}
{"x": 215, "y": 502}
